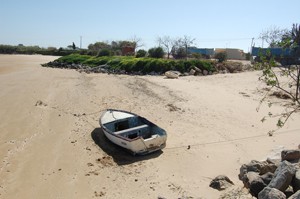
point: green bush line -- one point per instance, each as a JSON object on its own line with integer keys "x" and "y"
{"x": 144, "y": 65}
{"x": 30, "y": 50}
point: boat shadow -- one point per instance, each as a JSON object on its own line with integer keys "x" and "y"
{"x": 120, "y": 155}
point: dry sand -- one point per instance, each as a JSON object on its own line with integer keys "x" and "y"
{"x": 51, "y": 145}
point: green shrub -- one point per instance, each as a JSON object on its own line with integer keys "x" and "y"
{"x": 74, "y": 58}
{"x": 127, "y": 65}
{"x": 104, "y": 52}
{"x": 179, "y": 53}
{"x": 221, "y": 56}
{"x": 141, "y": 53}
{"x": 156, "y": 52}
{"x": 196, "y": 55}
{"x": 114, "y": 62}
{"x": 144, "y": 65}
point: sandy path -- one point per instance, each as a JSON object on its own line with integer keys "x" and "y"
{"x": 49, "y": 126}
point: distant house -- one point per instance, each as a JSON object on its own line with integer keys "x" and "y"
{"x": 232, "y": 53}
{"x": 128, "y": 50}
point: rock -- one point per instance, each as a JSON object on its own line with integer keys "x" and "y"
{"x": 171, "y": 74}
{"x": 256, "y": 166}
{"x": 274, "y": 161}
{"x": 267, "y": 177}
{"x": 123, "y": 72}
{"x": 283, "y": 176}
{"x": 192, "y": 72}
{"x": 40, "y": 103}
{"x": 295, "y": 195}
{"x": 197, "y": 71}
{"x": 296, "y": 181}
{"x": 271, "y": 193}
{"x": 236, "y": 193}
{"x": 205, "y": 72}
{"x": 221, "y": 182}
{"x": 255, "y": 183}
{"x": 105, "y": 66}
{"x": 290, "y": 155}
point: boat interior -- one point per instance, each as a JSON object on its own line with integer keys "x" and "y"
{"x": 132, "y": 128}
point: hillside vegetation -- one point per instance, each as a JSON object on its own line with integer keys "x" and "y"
{"x": 144, "y": 65}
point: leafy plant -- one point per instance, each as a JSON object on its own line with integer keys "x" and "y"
{"x": 141, "y": 53}
{"x": 144, "y": 64}
{"x": 156, "y": 52}
{"x": 104, "y": 52}
{"x": 221, "y": 56}
{"x": 283, "y": 82}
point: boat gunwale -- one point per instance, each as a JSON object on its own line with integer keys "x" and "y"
{"x": 119, "y": 136}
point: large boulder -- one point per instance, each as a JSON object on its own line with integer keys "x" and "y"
{"x": 256, "y": 166}
{"x": 283, "y": 176}
{"x": 255, "y": 183}
{"x": 295, "y": 195}
{"x": 296, "y": 181}
{"x": 271, "y": 193}
{"x": 290, "y": 155}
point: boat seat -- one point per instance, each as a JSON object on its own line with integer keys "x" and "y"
{"x": 133, "y": 129}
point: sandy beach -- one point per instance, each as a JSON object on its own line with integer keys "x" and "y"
{"x": 51, "y": 144}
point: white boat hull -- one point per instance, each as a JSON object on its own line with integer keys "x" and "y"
{"x": 142, "y": 143}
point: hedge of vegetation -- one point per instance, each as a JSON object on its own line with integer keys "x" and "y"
{"x": 144, "y": 65}
{"x": 29, "y": 50}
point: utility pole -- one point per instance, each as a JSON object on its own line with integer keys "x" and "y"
{"x": 80, "y": 42}
{"x": 252, "y": 42}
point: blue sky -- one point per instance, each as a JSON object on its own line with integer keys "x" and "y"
{"x": 213, "y": 23}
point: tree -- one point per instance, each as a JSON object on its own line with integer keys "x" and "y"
{"x": 137, "y": 42}
{"x": 178, "y": 52}
{"x": 283, "y": 81}
{"x": 295, "y": 35}
{"x": 180, "y": 47}
{"x": 273, "y": 35}
{"x": 167, "y": 44}
{"x": 187, "y": 42}
{"x": 156, "y": 52}
{"x": 140, "y": 53}
{"x": 73, "y": 46}
{"x": 96, "y": 47}
{"x": 104, "y": 52}
{"x": 221, "y": 56}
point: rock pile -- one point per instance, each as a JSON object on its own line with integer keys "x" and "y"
{"x": 273, "y": 178}
{"x": 84, "y": 68}
{"x": 198, "y": 72}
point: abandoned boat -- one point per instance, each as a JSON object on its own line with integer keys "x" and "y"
{"x": 132, "y": 132}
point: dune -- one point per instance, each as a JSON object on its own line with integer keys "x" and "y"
{"x": 51, "y": 144}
